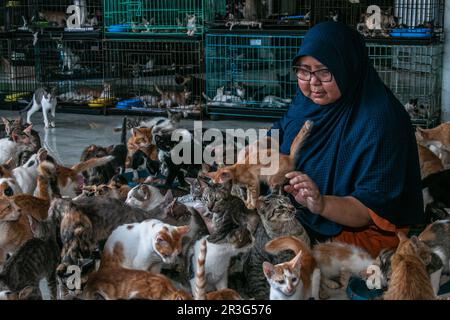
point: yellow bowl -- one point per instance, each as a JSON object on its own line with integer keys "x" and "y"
{"x": 101, "y": 102}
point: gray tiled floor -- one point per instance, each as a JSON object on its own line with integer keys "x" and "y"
{"x": 74, "y": 132}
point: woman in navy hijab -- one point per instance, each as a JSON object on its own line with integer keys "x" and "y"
{"x": 358, "y": 177}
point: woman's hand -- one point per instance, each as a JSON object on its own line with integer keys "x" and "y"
{"x": 305, "y": 191}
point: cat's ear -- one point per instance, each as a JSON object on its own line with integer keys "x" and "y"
{"x": 401, "y": 236}
{"x": 133, "y": 132}
{"x": 268, "y": 269}
{"x": 296, "y": 262}
{"x": 25, "y": 293}
{"x": 6, "y": 123}
{"x": 35, "y": 225}
{"x": 226, "y": 176}
{"x": 10, "y": 164}
{"x": 190, "y": 180}
{"x": 168, "y": 197}
{"x": 28, "y": 129}
{"x": 203, "y": 184}
{"x": 182, "y": 230}
{"x": 205, "y": 167}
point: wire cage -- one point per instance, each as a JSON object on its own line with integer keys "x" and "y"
{"x": 174, "y": 17}
{"x": 32, "y": 15}
{"x": 414, "y": 74}
{"x": 398, "y": 19}
{"x": 155, "y": 75}
{"x": 18, "y": 71}
{"x": 250, "y": 74}
{"x": 74, "y": 66}
{"x": 269, "y": 14}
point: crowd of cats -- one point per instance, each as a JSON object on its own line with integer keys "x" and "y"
{"x": 189, "y": 231}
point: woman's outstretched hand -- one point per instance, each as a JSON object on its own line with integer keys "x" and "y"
{"x": 305, "y": 191}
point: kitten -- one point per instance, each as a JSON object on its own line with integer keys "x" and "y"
{"x": 277, "y": 219}
{"x": 250, "y": 174}
{"x": 36, "y": 259}
{"x": 437, "y": 237}
{"x": 435, "y": 189}
{"x": 14, "y": 226}
{"x": 26, "y": 175}
{"x": 429, "y": 162}
{"x": 9, "y": 187}
{"x": 20, "y": 140}
{"x": 409, "y": 279}
{"x": 58, "y": 18}
{"x": 235, "y": 241}
{"x": 275, "y": 102}
{"x": 171, "y": 99}
{"x": 45, "y": 99}
{"x": 146, "y": 245}
{"x": 340, "y": 260}
{"x": 141, "y": 139}
{"x": 191, "y": 25}
{"x": 439, "y": 137}
{"x": 199, "y": 292}
{"x": 297, "y": 279}
{"x": 146, "y": 197}
{"x": 140, "y": 161}
{"x": 95, "y": 93}
{"x": 222, "y": 98}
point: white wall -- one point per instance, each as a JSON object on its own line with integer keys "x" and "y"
{"x": 445, "y": 115}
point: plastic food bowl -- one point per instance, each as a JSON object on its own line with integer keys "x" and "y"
{"x": 357, "y": 290}
{"x": 130, "y": 103}
{"x": 119, "y": 27}
{"x": 412, "y": 32}
{"x": 101, "y": 102}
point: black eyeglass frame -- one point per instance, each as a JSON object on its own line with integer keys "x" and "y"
{"x": 296, "y": 68}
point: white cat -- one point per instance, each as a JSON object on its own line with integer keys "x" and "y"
{"x": 26, "y": 175}
{"x": 275, "y": 102}
{"x": 145, "y": 246}
{"x": 45, "y": 100}
{"x": 145, "y": 197}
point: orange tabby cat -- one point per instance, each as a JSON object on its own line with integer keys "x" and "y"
{"x": 111, "y": 282}
{"x": 409, "y": 279}
{"x": 14, "y": 227}
{"x": 141, "y": 139}
{"x": 437, "y": 138}
{"x": 429, "y": 162}
{"x": 297, "y": 279}
{"x": 250, "y": 174}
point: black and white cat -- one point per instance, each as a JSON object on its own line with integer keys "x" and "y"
{"x": 45, "y": 99}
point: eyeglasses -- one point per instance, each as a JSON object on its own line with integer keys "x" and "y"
{"x": 323, "y": 75}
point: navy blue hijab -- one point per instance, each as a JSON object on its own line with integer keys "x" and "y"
{"x": 362, "y": 145}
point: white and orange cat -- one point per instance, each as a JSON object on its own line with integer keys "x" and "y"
{"x": 251, "y": 175}
{"x": 437, "y": 139}
{"x": 429, "y": 161}
{"x": 297, "y": 279}
{"x": 146, "y": 245}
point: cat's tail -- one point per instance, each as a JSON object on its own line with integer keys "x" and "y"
{"x": 300, "y": 139}
{"x": 91, "y": 163}
{"x": 286, "y": 243}
{"x": 200, "y": 277}
{"x": 28, "y": 107}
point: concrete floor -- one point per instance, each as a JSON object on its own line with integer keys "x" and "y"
{"x": 74, "y": 132}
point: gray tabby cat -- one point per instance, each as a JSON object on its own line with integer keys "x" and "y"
{"x": 278, "y": 219}
{"x": 36, "y": 259}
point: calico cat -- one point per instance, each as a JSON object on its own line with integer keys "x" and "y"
{"x": 429, "y": 162}
{"x": 340, "y": 260}
{"x": 36, "y": 259}
{"x": 437, "y": 237}
{"x": 409, "y": 278}
{"x": 14, "y": 226}
{"x": 146, "y": 245}
{"x": 277, "y": 219}
{"x": 235, "y": 241}
{"x": 173, "y": 98}
{"x": 45, "y": 99}
{"x": 250, "y": 174}
{"x": 146, "y": 197}
{"x": 165, "y": 145}
{"x": 297, "y": 279}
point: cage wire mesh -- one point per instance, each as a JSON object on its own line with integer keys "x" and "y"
{"x": 250, "y": 72}
{"x": 412, "y": 72}
{"x": 30, "y": 15}
{"x": 175, "y": 17}
{"x": 159, "y": 73}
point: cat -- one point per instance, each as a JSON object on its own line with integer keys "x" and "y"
{"x": 141, "y": 139}
{"x": 223, "y": 98}
{"x": 173, "y": 98}
{"x": 409, "y": 278}
{"x": 36, "y": 259}
{"x": 191, "y": 25}
{"x": 439, "y": 138}
{"x": 111, "y": 191}
{"x": 250, "y": 174}
{"x": 25, "y": 175}
{"x": 27, "y": 293}
{"x": 146, "y": 197}
{"x": 14, "y": 226}
{"x": 9, "y": 187}
{"x": 435, "y": 188}
{"x": 415, "y": 110}
{"x": 297, "y": 279}
{"x": 429, "y": 162}
{"x": 340, "y": 260}
{"x": 275, "y": 102}
{"x": 277, "y": 219}
{"x": 69, "y": 181}
{"x": 21, "y": 140}
{"x": 95, "y": 93}
{"x": 70, "y": 61}
{"x": 45, "y": 99}
{"x": 199, "y": 292}
{"x": 55, "y": 17}
{"x": 235, "y": 241}
{"x": 433, "y": 266}
{"x": 186, "y": 143}
{"x": 140, "y": 161}
{"x": 103, "y": 174}
{"x": 146, "y": 245}
{"x": 437, "y": 237}
{"x": 112, "y": 282}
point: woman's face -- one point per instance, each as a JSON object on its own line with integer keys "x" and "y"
{"x": 322, "y": 93}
